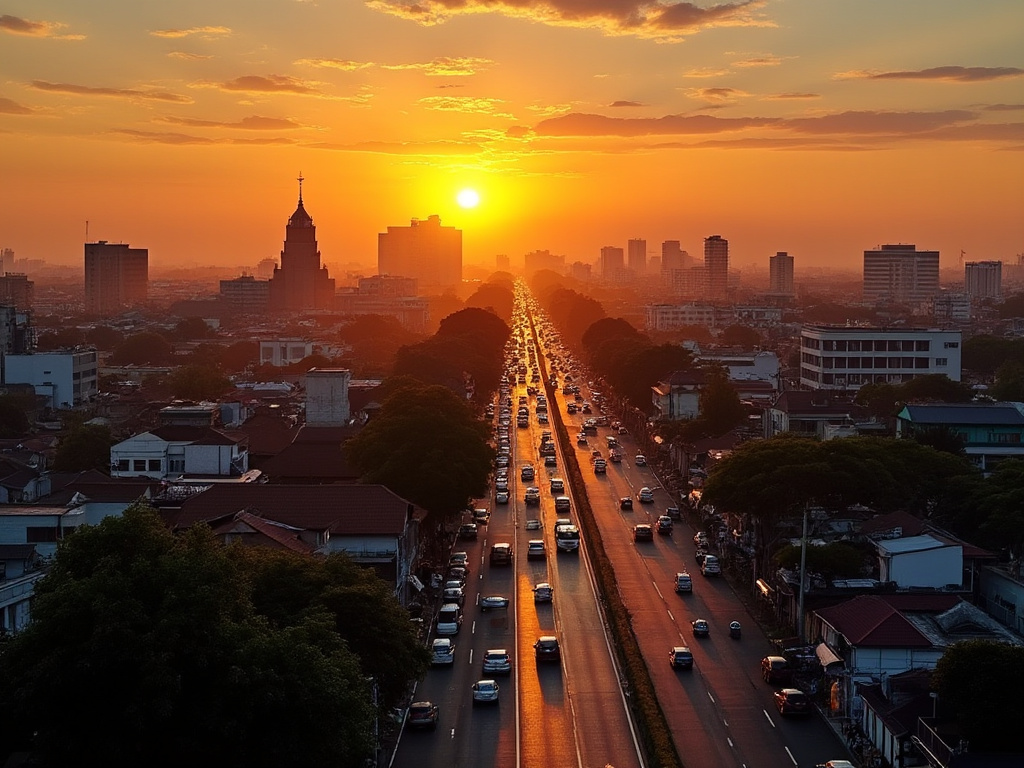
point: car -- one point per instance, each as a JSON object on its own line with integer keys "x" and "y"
{"x": 455, "y": 595}
{"x": 700, "y": 627}
{"x": 459, "y": 559}
{"x": 623, "y": 431}
{"x": 501, "y": 497}
{"x": 581, "y": 439}
{"x": 700, "y": 538}
{"x": 501, "y": 461}
{"x": 526, "y": 473}
{"x": 422, "y": 714}
{"x": 542, "y": 593}
{"x": 546, "y": 648}
{"x": 493, "y": 603}
{"x": 646, "y": 495}
{"x": 683, "y": 582}
{"x": 643, "y": 532}
{"x": 533, "y": 525}
{"x": 501, "y": 484}
{"x": 485, "y": 692}
{"x": 673, "y": 513}
{"x": 776, "y": 670}
{"x": 792, "y": 701}
{"x": 640, "y": 460}
{"x": 600, "y": 467}
{"x": 481, "y": 516}
{"x": 562, "y": 505}
{"x": 542, "y": 417}
{"x": 467, "y": 531}
{"x": 710, "y": 566}
{"x": 550, "y": 461}
{"x": 458, "y": 574}
{"x": 535, "y": 550}
{"x": 570, "y": 408}
{"x": 681, "y": 657}
{"x": 615, "y": 457}
{"x": 497, "y": 662}
{"x": 625, "y": 503}
{"x": 442, "y": 652}
{"x": 664, "y": 525}
{"x": 501, "y": 553}
{"x": 449, "y": 619}
{"x": 532, "y": 496}
{"x": 557, "y": 485}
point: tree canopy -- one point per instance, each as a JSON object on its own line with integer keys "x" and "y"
{"x": 173, "y": 650}
{"x": 85, "y": 446}
{"x": 198, "y": 382}
{"x": 145, "y": 348}
{"x": 13, "y": 415}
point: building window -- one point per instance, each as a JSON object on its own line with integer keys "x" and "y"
{"x": 841, "y": 346}
{"x": 941, "y": 362}
{"x": 908, "y": 362}
{"x": 880, "y": 345}
{"x": 122, "y": 465}
{"x": 39, "y": 535}
{"x": 154, "y": 465}
{"x": 854, "y": 345}
{"x": 853, "y": 362}
{"x": 922, "y": 346}
{"x": 175, "y": 465}
{"x": 1004, "y": 437}
{"x": 921, "y": 362}
{"x": 951, "y": 345}
{"x": 828, "y": 378}
{"x": 138, "y": 465}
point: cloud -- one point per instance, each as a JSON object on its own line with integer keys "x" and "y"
{"x": 947, "y": 74}
{"x": 11, "y": 107}
{"x": 426, "y": 148}
{"x": 640, "y": 18}
{"x": 448, "y": 66}
{"x": 715, "y": 95}
{"x": 119, "y": 93}
{"x": 14, "y": 25}
{"x": 468, "y": 104}
{"x": 580, "y": 124}
{"x": 251, "y": 123}
{"x": 188, "y": 56}
{"x": 760, "y": 61}
{"x": 179, "y": 139}
{"x": 868, "y": 122}
{"x": 270, "y": 84}
{"x": 1004, "y": 107}
{"x": 345, "y": 65}
{"x": 626, "y": 104}
{"x": 791, "y": 96}
{"x": 205, "y": 32}
{"x": 705, "y": 72}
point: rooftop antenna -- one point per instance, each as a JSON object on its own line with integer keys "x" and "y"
{"x": 300, "y": 186}
{"x": 87, "y": 230}
{"x": 962, "y": 254}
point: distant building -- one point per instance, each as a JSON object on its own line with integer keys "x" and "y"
{"x": 300, "y": 283}
{"x": 636, "y": 251}
{"x": 951, "y": 308}
{"x": 246, "y": 295}
{"x": 780, "y": 267}
{"x": 716, "y": 266}
{"x": 983, "y": 279}
{"x": 666, "y": 317}
{"x": 424, "y": 250}
{"x": 901, "y": 274}
{"x": 265, "y": 269}
{"x": 846, "y": 358}
{"x": 169, "y": 452}
{"x": 674, "y": 257}
{"x": 17, "y": 291}
{"x": 992, "y": 432}
{"x": 116, "y": 277}
{"x": 535, "y": 261}
{"x": 16, "y": 334}
{"x": 502, "y": 263}
{"x": 6, "y": 259}
{"x": 327, "y": 397}
{"x": 581, "y": 271}
{"x": 66, "y": 379}
{"x": 389, "y": 296}
{"x": 282, "y": 352}
{"x": 613, "y": 262}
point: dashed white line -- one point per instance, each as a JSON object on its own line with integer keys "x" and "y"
{"x": 474, "y": 628}
{"x": 768, "y": 717}
{"x": 658, "y": 590}
{"x": 729, "y": 742}
{"x": 671, "y": 616}
{"x": 790, "y": 755}
{"x": 710, "y": 696}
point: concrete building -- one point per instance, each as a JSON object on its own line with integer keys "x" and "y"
{"x": 168, "y": 452}
{"x": 580, "y": 270}
{"x": 674, "y": 257}
{"x": 116, "y": 277}
{"x": 502, "y": 263}
{"x": 282, "y": 352}
{"x": 424, "y": 250}
{"x": 535, "y": 261}
{"x": 845, "y": 358}
{"x": 636, "y": 251}
{"x": 17, "y": 291}
{"x": 327, "y": 397}
{"x": 613, "y": 263}
{"x": 900, "y": 274}
{"x": 667, "y": 317}
{"x": 66, "y": 379}
{"x": 716, "y": 266}
{"x": 780, "y": 277}
{"x": 992, "y": 432}
{"x": 952, "y": 308}
{"x": 300, "y": 283}
{"x": 983, "y": 279}
{"x": 246, "y": 295}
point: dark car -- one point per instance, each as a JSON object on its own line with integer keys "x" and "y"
{"x": 422, "y": 714}
{"x": 701, "y": 628}
{"x": 546, "y": 648}
{"x": 792, "y": 701}
{"x": 776, "y": 670}
{"x": 467, "y": 531}
{"x": 681, "y": 657}
{"x": 664, "y": 525}
{"x": 643, "y": 532}
{"x": 625, "y": 503}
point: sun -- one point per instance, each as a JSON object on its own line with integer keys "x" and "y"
{"x": 468, "y": 198}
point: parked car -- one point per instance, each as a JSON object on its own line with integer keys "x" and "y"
{"x": 467, "y": 531}
{"x": 542, "y": 593}
{"x": 546, "y": 648}
{"x": 643, "y": 532}
{"x": 681, "y": 657}
{"x": 776, "y": 670}
{"x": 710, "y": 566}
{"x": 501, "y": 497}
{"x": 792, "y": 701}
{"x": 422, "y": 714}
{"x": 497, "y": 662}
{"x": 449, "y": 619}
{"x": 454, "y": 595}
{"x": 493, "y": 603}
{"x": 485, "y": 692}
{"x": 550, "y": 461}
{"x": 700, "y": 627}
{"x": 442, "y": 652}
{"x": 459, "y": 559}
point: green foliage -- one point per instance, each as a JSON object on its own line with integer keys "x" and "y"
{"x": 740, "y": 336}
{"x": 495, "y": 298}
{"x": 153, "y": 641}
{"x": 145, "y": 348}
{"x": 427, "y": 446}
{"x": 835, "y": 561}
{"x": 239, "y": 356}
{"x": 85, "y": 446}
{"x": 942, "y": 437}
{"x": 720, "y": 406}
{"x": 1009, "y": 386}
{"x": 198, "y": 382}
{"x": 192, "y": 328}
{"x": 979, "y": 682}
{"x": 62, "y": 338}
{"x": 1001, "y": 507}
{"x": 985, "y": 354}
{"x": 1012, "y": 306}
{"x": 885, "y": 400}
{"x": 571, "y": 312}
{"x": 104, "y": 337}
{"x": 375, "y": 341}
{"x": 13, "y": 415}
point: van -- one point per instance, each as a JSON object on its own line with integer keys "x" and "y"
{"x": 449, "y": 619}
{"x": 710, "y": 566}
{"x": 684, "y": 583}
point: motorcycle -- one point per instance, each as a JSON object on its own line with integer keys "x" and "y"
{"x": 735, "y": 630}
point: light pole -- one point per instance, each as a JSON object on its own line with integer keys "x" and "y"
{"x": 803, "y": 576}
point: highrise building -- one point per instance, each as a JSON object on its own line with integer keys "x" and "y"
{"x": 716, "y": 265}
{"x": 265, "y": 269}
{"x": 246, "y": 295}
{"x": 424, "y": 250}
{"x": 300, "y": 283}
{"x": 116, "y": 277}
{"x": 535, "y": 261}
{"x": 780, "y": 277}
{"x": 636, "y": 250}
{"x": 17, "y": 291}
{"x": 673, "y": 257}
{"x": 503, "y": 263}
{"x": 983, "y": 279}
{"x": 900, "y": 273}
{"x": 612, "y": 262}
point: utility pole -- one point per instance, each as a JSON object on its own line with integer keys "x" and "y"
{"x": 803, "y": 574}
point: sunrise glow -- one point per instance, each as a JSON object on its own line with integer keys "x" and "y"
{"x": 468, "y": 198}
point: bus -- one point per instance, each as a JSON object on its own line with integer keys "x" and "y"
{"x": 567, "y": 538}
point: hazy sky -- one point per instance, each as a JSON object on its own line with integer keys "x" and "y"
{"x": 818, "y": 127}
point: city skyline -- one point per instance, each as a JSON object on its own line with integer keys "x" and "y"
{"x": 818, "y": 129}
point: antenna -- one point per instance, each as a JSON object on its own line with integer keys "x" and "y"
{"x": 300, "y": 186}
{"x": 87, "y": 230}
{"x": 962, "y": 254}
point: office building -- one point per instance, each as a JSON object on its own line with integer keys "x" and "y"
{"x": 716, "y": 266}
{"x": 16, "y": 291}
{"x": 388, "y": 296}
{"x": 300, "y": 283}
{"x": 246, "y": 295}
{"x": 613, "y": 263}
{"x": 503, "y": 263}
{"x": 65, "y": 379}
{"x": 900, "y": 274}
{"x": 636, "y": 251}
{"x": 983, "y": 279}
{"x": 780, "y": 278}
{"x": 424, "y": 250}
{"x": 535, "y": 261}
{"x": 951, "y": 308}
{"x": 846, "y": 358}
{"x": 116, "y": 277}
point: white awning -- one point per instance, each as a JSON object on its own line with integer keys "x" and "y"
{"x": 827, "y": 656}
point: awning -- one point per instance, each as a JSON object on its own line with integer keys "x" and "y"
{"x": 827, "y": 656}
{"x": 416, "y": 582}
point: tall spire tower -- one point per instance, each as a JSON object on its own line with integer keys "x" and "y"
{"x": 301, "y": 283}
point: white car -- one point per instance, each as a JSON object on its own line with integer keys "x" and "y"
{"x": 533, "y": 525}
{"x": 646, "y": 495}
{"x": 485, "y": 692}
{"x": 640, "y": 460}
{"x": 501, "y": 497}
{"x": 443, "y": 652}
{"x": 497, "y": 662}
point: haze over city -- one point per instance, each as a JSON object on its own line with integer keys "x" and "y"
{"x": 818, "y": 128}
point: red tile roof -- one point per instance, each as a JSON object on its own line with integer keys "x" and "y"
{"x": 288, "y": 538}
{"x": 871, "y": 621}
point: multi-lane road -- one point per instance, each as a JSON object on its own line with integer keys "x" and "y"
{"x": 575, "y": 713}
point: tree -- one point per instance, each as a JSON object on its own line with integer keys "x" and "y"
{"x": 427, "y": 446}
{"x": 835, "y": 561}
{"x": 85, "y": 446}
{"x": 979, "y": 682}
{"x": 497, "y": 298}
{"x": 145, "y": 348}
{"x": 740, "y": 336}
{"x": 104, "y": 337}
{"x": 1001, "y": 507}
{"x": 240, "y": 355}
{"x": 942, "y": 437}
{"x": 192, "y": 328}
{"x": 154, "y": 642}
{"x": 13, "y": 419}
{"x": 1009, "y": 386}
{"x": 198, "y": 382}
{"x": 62, "y": 338}
{"x": 720, "y": 406}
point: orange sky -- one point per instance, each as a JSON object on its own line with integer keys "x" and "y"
{"x": 818, "y": 127}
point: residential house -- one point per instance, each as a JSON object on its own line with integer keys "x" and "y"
{"x": 314, "y": 457}
{"x": 992, "y": 432}
{"x": 171, "y": 451}
{"x": 20, "y": 568}
{"x": 678, "y": 397}
{"x": 813, "y": 413}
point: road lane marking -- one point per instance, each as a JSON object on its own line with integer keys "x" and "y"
{"x": 471, "y": 657}
{"x": 474, "y": 628}
{"x": 769, "y": 717}
{"x": 711, "y": 696}
{"x": 729, "y": 742}
{"x": 790, "y": 755}
{"x": 671, "y": 616}
{"x": 658, "y": 590}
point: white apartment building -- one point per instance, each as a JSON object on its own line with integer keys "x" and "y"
{"x": 845, "y": 358}
{"x": 66, "y": 379}
{"x": 666, "y": 317}
{"x": 951, "y": 307}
